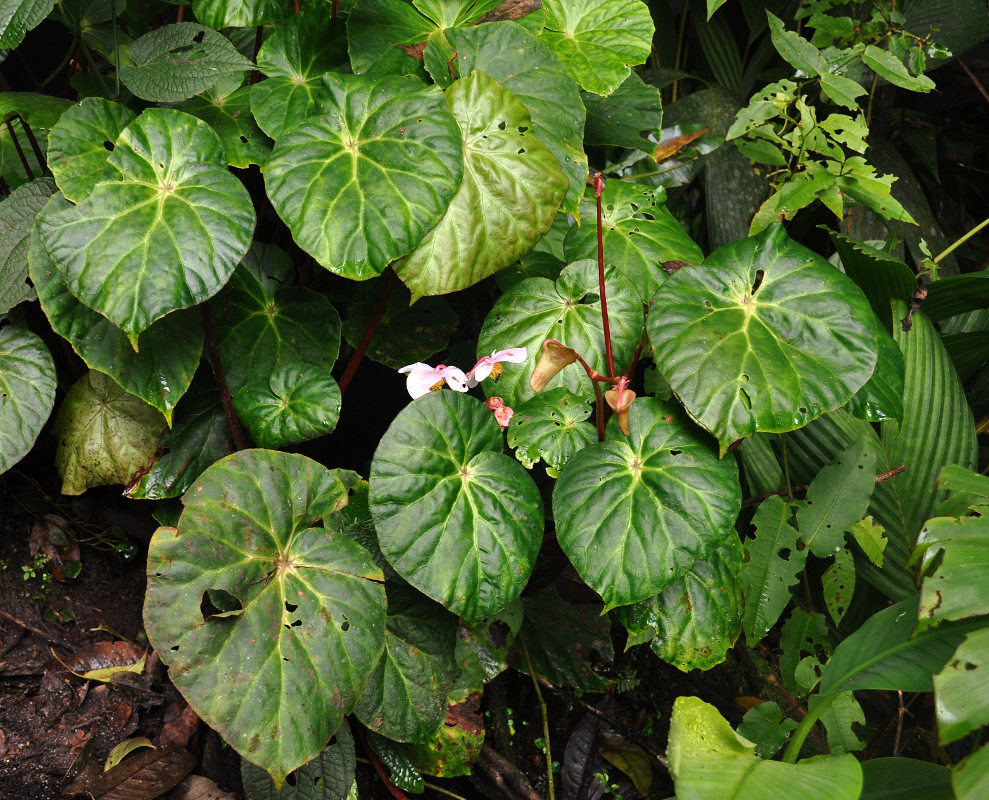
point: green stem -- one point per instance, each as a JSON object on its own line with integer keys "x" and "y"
{"x": 805, "y": 727}
{"x": 545, "y": 715}
{"x": 960, "y": 242}
{"x": 441, "y": 790}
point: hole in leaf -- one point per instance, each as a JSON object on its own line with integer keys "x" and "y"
{"x": 784, "y": 553}
{"x": 290, "y": 607}
{"x": 174, "y": 648}
{"x": 521, "y": 150}
{"x": 243, "y": 139}
{"x": 198, "y": 38}
{"x": 969, "y": 666}
{"x": 522, "y": 129}
{"x": 291, "y": 779}
{"x": 108, "y": 145}
{"x": 802, "y": 410}
{"x": 744, "y": 397}
{"x": 759, "y": 275}
{"x": 502, "y": 125}
{"x": 345, "y": 625}
{"x": 675, "y": 452}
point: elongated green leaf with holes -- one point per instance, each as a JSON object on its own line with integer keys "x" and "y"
{"x": 633, "y": 513}
{"x": 458, "y": 519}
{"x": 361, "y": 185}
{"x": 764, "y": 336}
{"x": 27, "y": 392}
{"x": 511, "y": 191}
{"x": 163, "y": 230}
{"x": 17, "y": 215}
{"x": 259, "y": 613}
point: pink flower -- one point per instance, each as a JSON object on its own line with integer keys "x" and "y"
{"x": 502, "y": 412}
{"x": 423, "y": 378}
{"x": 484, "y": 367}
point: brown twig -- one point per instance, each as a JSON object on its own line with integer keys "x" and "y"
{"x": 240, "y": 443}
{"x": 372, "y": 325}
{"x": 38, "y": 632}
{"x": 976, "y": 81}
{"x": 882, "y": 477}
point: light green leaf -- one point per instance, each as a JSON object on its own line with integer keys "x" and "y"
{"x": 795, "y": 49}
{"x": 639, "y": 233}
{"x": 164, "y": 229}
{"x": 888, "y": 66}
{"x": 17, "y": 17}
{"x": 27, "y": 392}
{"x": 17, "y": 215}
{"x": 240, "y": 13}
{"x": 764, "y": 336}
{"x": 386, "y": 160}
{"x": 511, "y": 191}
{"x": 308, "y": 624}
{"x": 105, "y": 435}
{"x": 81, "y": 142}
{"x": 841, "y": 90}
{"x": 177, "y": 61}
{"x": 633, "y": 513}
{"x": 551, "y": 426}
{"x": 871, "y": 538}
{"x": 329, "y": 776}
{"x": 958, "y": 552}
{"x": 598, "y": 40}
{"x": 569, "y": 311}
{"x": 229, "y": 114}
{"x": 458, "y": 519}
{"x": 970, "y": 777}
{"x": 961, "y": 689}
{"x": 842, "y": 712}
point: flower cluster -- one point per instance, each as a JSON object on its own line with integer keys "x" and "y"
{"x": 423, "y": 378}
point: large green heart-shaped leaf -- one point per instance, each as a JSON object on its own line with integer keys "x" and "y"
{"x": 511, "y": 191}
{"x": 227, "y": 109}
{"x": 240, "y": 13}
{"x": 458, "y": 519}
{"x": 17, "y": 215}
{"x": 626, "y": 117}
{"x": 105, "y": 435}
{"x": 159, "y": 373}
{"x": 526, "y": 67}
{"x": 692, "y": 623}
{"x": 634, "y": 513}
{"x": 27, "y": 392}
{"x": 598, "y": 40}
{"x": 406, "y": 697}
{"x": 764, "y": 336}
{"x": 81, "y": 142}
{"x": 294, "y": 58}
{"x": 361, "y": 185}
{"x": 638, "y": 233}
{"x": 569, "y": 311}
{"x": 304, "y": 619}
{"x": 261, "y": 321}
{"x": 177, "y": 61}
{"x": 551, "y": 426}
{"x": 163, "y": 231}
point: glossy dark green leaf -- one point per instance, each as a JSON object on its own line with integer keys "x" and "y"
{"x": 956, "y": 294}
{"x": 697, "y": 618}
{"x": 27, "y": 392}
{"x": 511, "y": 191}
{"x": 762, "y": 726}
{"x": 378, "y": 29}
{"x": 764, "y": 336}
{"x": 228, "y": 112}
{"x": 406, "y": 697}
{"x": 634, "y": 513}
{"x": 329, "y": 776}
{"x": 81, "y": 142}
{"x": 639, "y": 234}
{"x": 881, "y": 276}
{"x": 41, "y": 110}
{"x": 262, "y": 321}
{"x": 521, "y": 63}
{"x": 163, "y": 230}
{"x": 627, "y": 117}
{"x": 882, "y": 396}
{"x": 240, "y": 13}
{"x": 385, "y": 159}
{"x": 551, "y": 426}
{"x": 565, "y": 641}
{"x": 598, "y": 40}
{"x": 20, "y": 16}
{"x": 458, "y": 519}
{"x": 905, "y": 779}
{"x": 400, "y": 769}
{"x": 310, "y": 626}
{"x": 294, "y": 58}
{"x": 105, "y": 435}
{"x": 569, "y": 311}
{"x": 177, "y": 61}
{"x": 17, "y": 214}
{"x": 12, "y": 160}
{"x": 159, "y": 373}
{"x": 294, "y": 403}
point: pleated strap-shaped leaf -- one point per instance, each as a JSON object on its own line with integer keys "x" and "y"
{"x": 163, "y": 230}
{"x": 511, "y": 191}
{"x": 361, "y": 185}
{"x": 27, "y": 392}
{"x": 937, "y": 428}
{"x": 764, "y": 336}
{"x": 458, "y": 519}
{"x": 260, "y": 615}
{"x": 634, "y": 513}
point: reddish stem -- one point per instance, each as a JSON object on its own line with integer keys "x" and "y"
{"x": 240, "y": 443}
{"x": 598, "y": 188}
{"x": 181, "y": 14}
{"x": 372, "y": 325}
{"x": 395, "y": 792}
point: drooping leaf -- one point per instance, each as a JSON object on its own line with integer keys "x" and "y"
{"x": 105, "y": 435}
{"x": 904, "y": 779}
{"x": 838, "y": 584}
{"x": 17, "y": 215}
{"x": 240, "y": 13}
{"x": 406, "y": 697}
{"x": 159, "y": 373}
{"x": 764, "y": 336}
{"x": 509, "y": 196}
{"x": 308, "y": 623}
{"x": 970, "y": 777}
{"x": 882, "y": 396}
{"x": 521, "y": 63}
{"x": 177, "y": 61}
{"x": 458, "y": 519}
{"x": 888, "y": 66}
{"x": 626, "y": 117}
{"x": 598, "y": 40}
{"x": 17, "y": 17}
{"x": 569, "y": 311}
{"x": 81, "y": 142}
{"x": 881, "y": 276}
{"x": 229, "y": 114}
{"x": 774, "y": 562}
{"x": 27, "y": 392}
{"x": 800, "y": 53}
{"x": 385, "y": 157}
{"x": 804, "y": 636}
{"x": 639, "y": 234}
{"x": 394, "y": 756}
{"x": 763, "y": 726}
{"x": 37, "y": 110}
{"x": 842, "y": 713}
{"x": 329, "y": 776}
{"x": 164, "y": 229}
{"x": 551, "y": 426}
{"x": 455, "y": 747}
{"x": 960, "y": 689}
{"x": 633, "y": 513}
{"x": 871, "y": 538}
{"x": 958, "y": 552}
